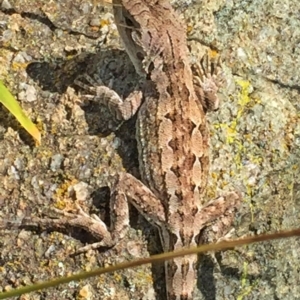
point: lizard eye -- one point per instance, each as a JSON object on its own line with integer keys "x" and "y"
{"x": 128, "y": 22}
{"x": 140, "y": 56}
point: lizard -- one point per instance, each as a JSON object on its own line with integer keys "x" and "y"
{"x": 172, "y": 134}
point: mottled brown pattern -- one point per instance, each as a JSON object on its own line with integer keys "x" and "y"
{"x": 172, "y": 131}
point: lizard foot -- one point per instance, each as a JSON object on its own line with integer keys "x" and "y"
{"x": 207, "y": 81}
{"x": 121, "y": 109}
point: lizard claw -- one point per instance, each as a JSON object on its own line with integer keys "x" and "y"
{"x": 91, "y": 87}
{"x": 207, "y": 81}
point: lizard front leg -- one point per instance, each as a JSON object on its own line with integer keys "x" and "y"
{"x": 207, "y": 79}
{"x": 122, "y": 109}
{"x": 127, "y": 189}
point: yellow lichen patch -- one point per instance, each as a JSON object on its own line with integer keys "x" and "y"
{"x": 142, "y": 275}
{"x": 189, "y": 28}
{"x": 244, "y": 98}
{"x": 214, "y": 175}
{"x": 19, "y": 66}
{"x": 244, "y": 102}
{"x": 62, "y": 196}
{"x": 118, "y": 277}
{"x": 231, "y": 133}
{"x": 213, "y": 53}
{"x": 85, "y": 293}
{"x": 60, "y": 204}
{"x": 104, "y": 22}
{"x": 211, "y": 192}
{"x": 239, "y": 140}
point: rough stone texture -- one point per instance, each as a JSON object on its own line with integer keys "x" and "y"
{"x": 255, "y": 144}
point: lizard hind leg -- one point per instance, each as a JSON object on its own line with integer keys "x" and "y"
{"x": 218, "y": 216}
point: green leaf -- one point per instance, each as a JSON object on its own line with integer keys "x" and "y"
{"x": 8, "y": 100}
